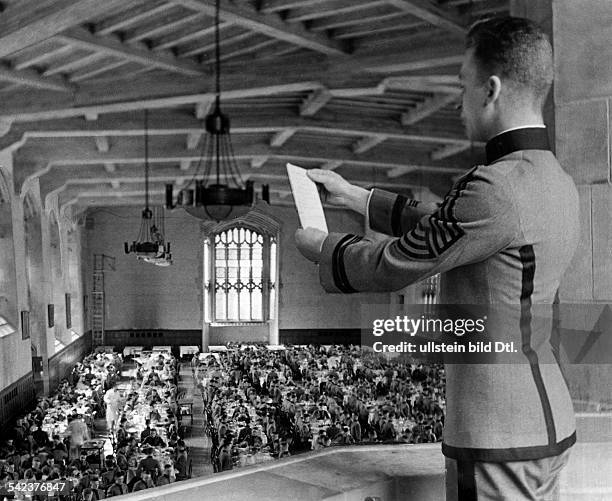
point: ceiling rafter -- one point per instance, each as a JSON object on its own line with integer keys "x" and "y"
{"x": 129, "y": 18}
{"x": 32, "y": 78}
{"x": 427, "y": 108}
{"x": 71, "y": 152}
{"x": 57, "y": 181}
{"x": 337, "y": 21}
{"x": 28, "y": 22}
{"x": 86, "y": 73}
{"x": 228, "y": 40}
{"x": 429, "y": 12}
{"x": 112, "y": 45}
{"x": 38, "y": 160}
{"x": 307, "y": 14}
{"x": 73, "y": 63}
{"x": 280, "y": 5}
{"x": 169, "y": 124}
{"x": 161, "y": 27}
{"x": 39, "y": 57}
{"x": 261, "y": 80}
{"x": 267, "y": 24}
{"x": 172, "y": 40}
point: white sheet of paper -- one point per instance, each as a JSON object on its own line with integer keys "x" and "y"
{"x": 306, "y": 197}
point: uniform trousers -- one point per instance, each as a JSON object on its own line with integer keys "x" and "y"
{"x": 534, "y": 480}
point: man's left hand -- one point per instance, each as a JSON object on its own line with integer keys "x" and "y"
{"x": 309, "y": 242}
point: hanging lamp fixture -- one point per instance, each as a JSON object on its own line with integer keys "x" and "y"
{"x": 151, "y": 246}
{"x": 220, "y": 192}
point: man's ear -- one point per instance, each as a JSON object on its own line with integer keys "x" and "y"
{"x": 493, "y": 87}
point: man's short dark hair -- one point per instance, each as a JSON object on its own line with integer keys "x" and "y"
{"x": 516, "y": 49}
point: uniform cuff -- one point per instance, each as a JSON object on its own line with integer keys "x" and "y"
{"x": 332, "y": 273}
{"x": 380, "y": 210}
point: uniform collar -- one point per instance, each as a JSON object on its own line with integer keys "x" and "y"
{"x": 526, "y": 138}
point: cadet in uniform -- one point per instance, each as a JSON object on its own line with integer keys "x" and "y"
{"x": 504, "y": 234}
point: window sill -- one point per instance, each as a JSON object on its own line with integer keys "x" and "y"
{"x": 238, "y": 323}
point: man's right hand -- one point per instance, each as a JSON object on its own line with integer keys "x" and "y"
{"x": 339, "y": 192}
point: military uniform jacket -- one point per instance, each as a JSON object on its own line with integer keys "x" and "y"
{"x": 504, "y": 234}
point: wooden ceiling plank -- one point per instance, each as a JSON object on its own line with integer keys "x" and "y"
{"x": 427, "y": 108}
{"x": 29, "y": 22}
{"x": 372, "y": 28}
{"x": 423, "y": 58}
{"x": 32, "y": 78}
{"x": 21, "y": 63}
{"x": 161, "y": 27}
{"x": 306, "y": 14}
{"x": 248, "y": 49}
{"x": 274, "y": 51}
{"x": 360, "y": 18}
{"x": 180, "y": 37}
{"x": 280, "y": 5}
{"x": 209, "y": 47}
{"x": 73, "y": 63}
{"x": 423, "y": 9}
{"x": 267, "y": 24}
{"x": 111, "y": 45}
{"x": 125, "y": 19}
{"x": 91, "y": 72}
{"x": 159, "y": 91}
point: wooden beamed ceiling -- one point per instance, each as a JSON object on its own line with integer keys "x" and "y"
{"x": 364, "y": 87}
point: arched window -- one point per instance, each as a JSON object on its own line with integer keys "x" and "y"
{"x": 240, "y": 275}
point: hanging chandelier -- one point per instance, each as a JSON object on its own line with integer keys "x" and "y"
{"x": 220, "y": 193}
{"x": 151, "y": 246}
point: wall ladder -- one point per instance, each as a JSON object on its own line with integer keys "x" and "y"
{"x": 102, "y": 263}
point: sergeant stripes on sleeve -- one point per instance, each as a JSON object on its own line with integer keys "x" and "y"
{"x": 441, "y": 232}
{"x": 425, "y": 241}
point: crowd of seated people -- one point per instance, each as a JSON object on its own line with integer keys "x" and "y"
{"x": 263, "y": 404}
{"x": 49, "y": 443}
{"x": 46, "y": 444}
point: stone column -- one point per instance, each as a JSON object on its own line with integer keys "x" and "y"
{"x": 581, "y": 34}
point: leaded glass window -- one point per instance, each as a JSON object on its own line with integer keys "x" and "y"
{"x": 241, "y": 282}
